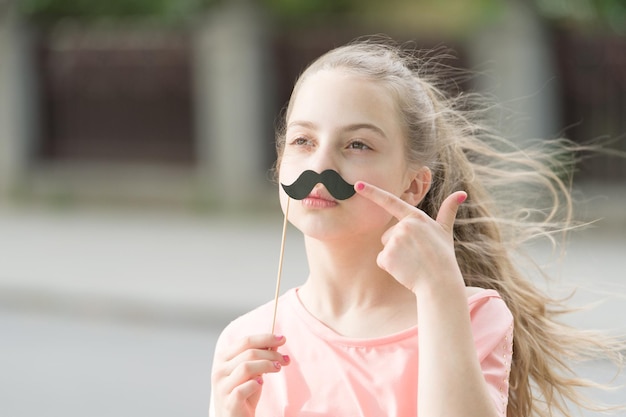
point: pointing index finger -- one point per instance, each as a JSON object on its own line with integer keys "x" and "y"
{"x": 393, "y": 204}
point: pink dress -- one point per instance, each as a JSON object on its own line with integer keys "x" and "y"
{"x": 333, "y": 375}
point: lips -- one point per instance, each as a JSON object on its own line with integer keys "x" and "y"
{"x": 319, "y": 194}
{"x": 319, "y": 198}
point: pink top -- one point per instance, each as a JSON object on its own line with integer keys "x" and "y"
{"x": 333, "y": 375}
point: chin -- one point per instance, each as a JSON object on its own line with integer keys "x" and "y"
{"x": 348, "y": 234}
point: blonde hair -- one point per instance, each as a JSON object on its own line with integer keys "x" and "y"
{"x": 444, "y": 132}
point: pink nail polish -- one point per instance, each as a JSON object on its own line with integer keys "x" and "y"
{"x": 360, "y": 186}
{"x": 278, "y": 337}
{"x": 462, "y": 198}
{"x": 259, "y": 380}
{"x": 286, "y": 358}
{"x": 277, "y": 365}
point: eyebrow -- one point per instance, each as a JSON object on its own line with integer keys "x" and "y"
{"x": 347, "y": 128}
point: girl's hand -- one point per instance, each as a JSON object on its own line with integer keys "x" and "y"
{"x": 416, "y": 249}
{"x": 237, "y": 376}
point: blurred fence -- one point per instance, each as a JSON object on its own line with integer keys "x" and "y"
{"x": 116, "y": 95}
{"x": 125, "y": 95}
{"x": 202, "y": 95}
{"x": 593, "y": 76}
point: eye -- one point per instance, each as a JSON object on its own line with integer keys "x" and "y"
{"x": 301, "y": 141}
{"x": 358, "y": 145}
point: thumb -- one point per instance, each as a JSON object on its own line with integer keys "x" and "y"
{"x": 449, "y": 208}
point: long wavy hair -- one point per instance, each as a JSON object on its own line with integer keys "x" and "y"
{"x": 515, "y": 195}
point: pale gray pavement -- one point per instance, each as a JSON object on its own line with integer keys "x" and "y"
{"x": 110, "y": 313}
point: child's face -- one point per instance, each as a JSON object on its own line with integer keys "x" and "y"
{"x": 349, "y": 124}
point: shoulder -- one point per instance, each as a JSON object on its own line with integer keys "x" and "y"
{"x": 492, "y": 320}
{"x": 482, "y": 300}
{"x": 487, "y": 303}
{"x": 471, "y": 291}
{"x": 256, "y": 321}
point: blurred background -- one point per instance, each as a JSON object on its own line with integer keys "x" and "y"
{"x": 137, "y": 214}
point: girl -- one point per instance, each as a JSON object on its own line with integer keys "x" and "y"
{"x": 413, "y": 304}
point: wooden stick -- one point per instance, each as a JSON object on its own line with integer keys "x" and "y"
{"x": 280, "y": 264}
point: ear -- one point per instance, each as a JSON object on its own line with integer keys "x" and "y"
{"x": 418, "y": 187}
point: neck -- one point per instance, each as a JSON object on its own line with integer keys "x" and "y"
{"x": 345, "y": 282}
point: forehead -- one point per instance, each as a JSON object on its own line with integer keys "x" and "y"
{"x": 340, "y": 97}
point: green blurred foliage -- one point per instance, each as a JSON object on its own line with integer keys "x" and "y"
{"x": 415, "y": 15}
{"x": 437, "y": 15}
{"x": 51, "y": 10}
{"x": 286, "y": 10}
{"x": 590, "y": 15}
{"x": 298, "y": 9}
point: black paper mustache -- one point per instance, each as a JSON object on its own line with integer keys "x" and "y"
{"x": 336, "y": 186}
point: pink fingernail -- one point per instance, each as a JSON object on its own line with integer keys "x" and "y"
{"x": 462, "y": 198}
{"x": 286, "y": 358}
{"x": 277, "y": 365}
{"x": 360, "y": 186}
{"x": 278, "y": 337}
{"x": 259, "y": 380}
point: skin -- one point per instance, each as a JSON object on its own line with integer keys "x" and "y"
{"x": 237, "y": 373}
{"x": 374, "y": 255}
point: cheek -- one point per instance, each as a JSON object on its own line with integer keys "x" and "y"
{"x": 369, "y": 214}
{"x": 288, "y": 171}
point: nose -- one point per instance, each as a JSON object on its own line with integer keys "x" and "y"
{"x": 324, "y": 157}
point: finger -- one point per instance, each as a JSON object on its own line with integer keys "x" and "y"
{"x": 393, "y": 204}
{"x": 449, "y": 208}
{"x": 258, "y": 341}
{"x": 249, "y": 370}
{"x": 248, "y": 389}
{"x": 251, "y": 355}
{"x": 388, "y": 233}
